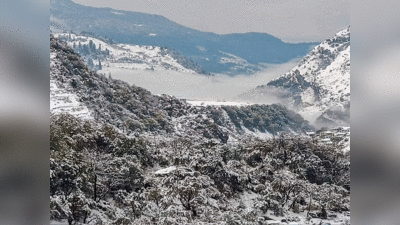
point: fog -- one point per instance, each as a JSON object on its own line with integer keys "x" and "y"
{"x": 200, "y": 87}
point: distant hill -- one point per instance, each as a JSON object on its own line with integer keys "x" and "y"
{"x": 231, "y": 54}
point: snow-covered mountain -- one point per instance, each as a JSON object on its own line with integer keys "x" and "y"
{"x": 319, "y": 86}
{"x": 75, "y": 89}
{"x": 103, "y": 53}
{"x": 121, "y": 155}
{"x": 231, "y": 54}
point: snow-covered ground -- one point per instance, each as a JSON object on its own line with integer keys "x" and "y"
{"x": 58, "y": 223}
{"x": 62, "y": 100}
{"x": 166, "y": 170}
{"x": 247, "y": 199}
{"x": 215, "y": 103}
{"x": 126, "y": 56}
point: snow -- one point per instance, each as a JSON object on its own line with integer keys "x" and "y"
{"x": 326, "y": 68}
{"x": 325, "y": 140}
{"x": 231, "y": 59}
{"x": 308, "y": 96}
{"x": 162, "y": 181}
{"x": 248, "y": 198}
{"x": 201, "y": 48}
{"x": 257, "y": 133}
{"x": 58, "y": 223}
{"x": 273, "y": 222}
{"x": 117, "y": 13}
{"x": 215, "y": 103}
{"x": 166, "y": 170}
{"x": 132, "y": 57}
{"x": 62, "y": 101}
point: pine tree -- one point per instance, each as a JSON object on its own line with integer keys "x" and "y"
{"x": 92, "y": 47}
{"x": 85, "y": 50}
{"x": 100, "y": 67}
{"x": 90, "y": 62}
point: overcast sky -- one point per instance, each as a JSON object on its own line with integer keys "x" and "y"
{"x": 289, "y": 20}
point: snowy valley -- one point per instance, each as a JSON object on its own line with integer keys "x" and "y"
{"x": 121, "y": 155}
{"x": 148, "y": 124}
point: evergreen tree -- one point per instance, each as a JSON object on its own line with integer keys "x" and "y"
{"x": 90, "y": 62}
{"x": 100, "y": 66}
{"x": 92, "y": 47}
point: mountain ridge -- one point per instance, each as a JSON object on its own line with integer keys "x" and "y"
{"x": 154, "y": 30}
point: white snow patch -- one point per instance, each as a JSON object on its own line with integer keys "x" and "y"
{"x": 215, "y": 103}
{"x": 166, "y": 170}
{"x": 201, "y": 48}
{"x": 232, "y": 59}
{"x": 258, "y": 133}
{"x": 117, "y": 13}
{"x": 308, "y": 96}
{"x": 248, "y": 198}
{"x": 63, "y": 101}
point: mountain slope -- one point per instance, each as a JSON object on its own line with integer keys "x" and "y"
{"x": 320, "y": 84}
{"x": 120, "y": 155}
{"x": 135, "y": 110}
{"x": 206, "y": 49}
{"x": 104, "y": 53}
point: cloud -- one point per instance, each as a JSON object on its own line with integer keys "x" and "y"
{"x": 199, "y": 87}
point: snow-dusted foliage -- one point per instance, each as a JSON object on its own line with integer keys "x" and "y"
{"x": 99, "y": 174}
{"x": 145, "y": 159}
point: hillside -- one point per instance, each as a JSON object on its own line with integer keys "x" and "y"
{"x": 103, "y": 53}
{"x": 230, "y": 54}
{"x": 120, "y": 155}
{"x": 318, "y": 88}
{"x": 134, "y": 110}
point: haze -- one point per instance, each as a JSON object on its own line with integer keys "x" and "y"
{"x": 196, "y": 86}
{"x": 289, "y": 20}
